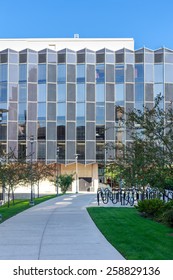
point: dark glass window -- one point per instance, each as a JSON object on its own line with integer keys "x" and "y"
{"x": 139, "y": 57}
{"x": 22, "y": 58}
{"x": 81, "y": 58}
{"x": 60, "y": 131}
{"x": 100, "y": 132}
{"x": 158, "y": 57}
{"x": 3, "y": 58}
{"x": 119, "y": 57}
{"x": 80, "y": 131}
{"x": 41, "y": 150}
{"x": 3, "y": 132}
{"x": 41, "y": 130}
{"x": 41, "y": 58}
{"x": 81, "y": 151}
{"x": 100, "y": 57}
{"x": 61, "y": 58}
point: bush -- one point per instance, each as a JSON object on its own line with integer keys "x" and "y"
{"x": 151, "y": 207}
{"x": 167, "y": 217}
{"x": 168, "y": 205}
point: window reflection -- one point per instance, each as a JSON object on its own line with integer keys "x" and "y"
{"x": 100, "y": 93}
{"x": 139, "y": 92}
{"x": 61, "y": 92}
{"x": 80, "y": 130}
{"x": 100, "y": 114}
{"x": 80, "y": 111}
{"x": 42, "y": 92}
{"x": 61, "y": 130}
{"x": 61, "y": 72}
{"x": 81, "y": 73}
{"x": 41, "y": 150}
{"x": 119, "y": 73}
{"x": 139, "y": 72}
{"x": 42, "y": 73}
{"x": 41, "y": 111}
{"x": 3, "y": 72}
{"x": 41, "y": 130}
{"x": 80, "y": 92}
{"x": 23, "y": 92}
{"x": 22, "y": 73}
{"x": 158, "y": 73}
{"x": 3, "y": 92}
{"x": 119, "y": 94}
{"x": 61, "y": 111}
{"x": 100, "y": 73}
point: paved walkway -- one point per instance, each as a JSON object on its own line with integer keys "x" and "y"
{"x": 58, "y": 229}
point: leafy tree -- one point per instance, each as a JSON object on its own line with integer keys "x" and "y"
{"x": 148, "y": 158}
{"x": 65, "y": 181}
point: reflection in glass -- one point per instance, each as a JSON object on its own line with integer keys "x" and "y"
{"x": 22, "y": 112}
{"x": 158, "y": 73}
{"x": 61, "y": 130}
{"x": 139, "y": 73}
{"x": 61, "y": 92}
{"x": 61, "y": 111}
{"x": 119, "y": 73}
{"x": 23, "y": 92}
{"x": 80, "y": 111}
{"x": 139, "y": 92}
{"x": 41, "y": 155}
{"x": 100, "y": 73}
{"x": 61, "y": 72}
{"x": 41, "y": 130}
{"x": 3, "y": 72}
{"x": 42, "y": 73}
{"x": 149, "y": 73}
{"x": 41, "y": 111}
{"x": 42, "y": 92}
{"x": 169, "y": 73}
{"x": 100, "y": 113}
{"x": 119, "y": 94}
{"x": 81, "y": 73}
{"x": 80, "y": 92}
{"x": 32, "y": 73}
{"x": 100, "y": 93}
{"x": 3, "y": 92}
{"x": 22, "y": 73}
{"x": 80, "y": 130}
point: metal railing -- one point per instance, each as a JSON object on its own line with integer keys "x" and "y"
{"x": 131, "y": 196}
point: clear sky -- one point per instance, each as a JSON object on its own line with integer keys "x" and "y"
{"x": 149, "y": 22}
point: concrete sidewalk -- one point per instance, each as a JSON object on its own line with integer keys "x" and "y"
{"x": 58, "y": 229}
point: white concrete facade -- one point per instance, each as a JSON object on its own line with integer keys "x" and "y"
{"x": 75, "y": 44}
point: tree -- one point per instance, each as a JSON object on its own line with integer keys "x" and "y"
{"x": 148, "y": 158}
{"x": 65, "y": 181}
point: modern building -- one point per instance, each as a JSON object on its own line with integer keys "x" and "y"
{"x": 65, "y": 93}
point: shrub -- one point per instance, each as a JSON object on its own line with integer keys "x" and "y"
{"x": 167, "y": 217}
{"x": 151, "y": 207}
{"x": 168, "y": 205}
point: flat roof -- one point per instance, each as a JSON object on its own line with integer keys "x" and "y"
{"x": 75, "y": 44}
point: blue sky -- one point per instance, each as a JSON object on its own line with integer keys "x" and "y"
{"x": 149, "y": 22}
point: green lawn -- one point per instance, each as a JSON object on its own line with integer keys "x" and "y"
{"x": 135, "y": 237}
{"x": 20, "y": 205}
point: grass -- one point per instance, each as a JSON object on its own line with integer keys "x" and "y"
{"x": 135, "y": 237}
{"x": 19, "y": 206}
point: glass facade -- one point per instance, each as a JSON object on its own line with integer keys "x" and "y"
{"x": 76, "y": 100}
